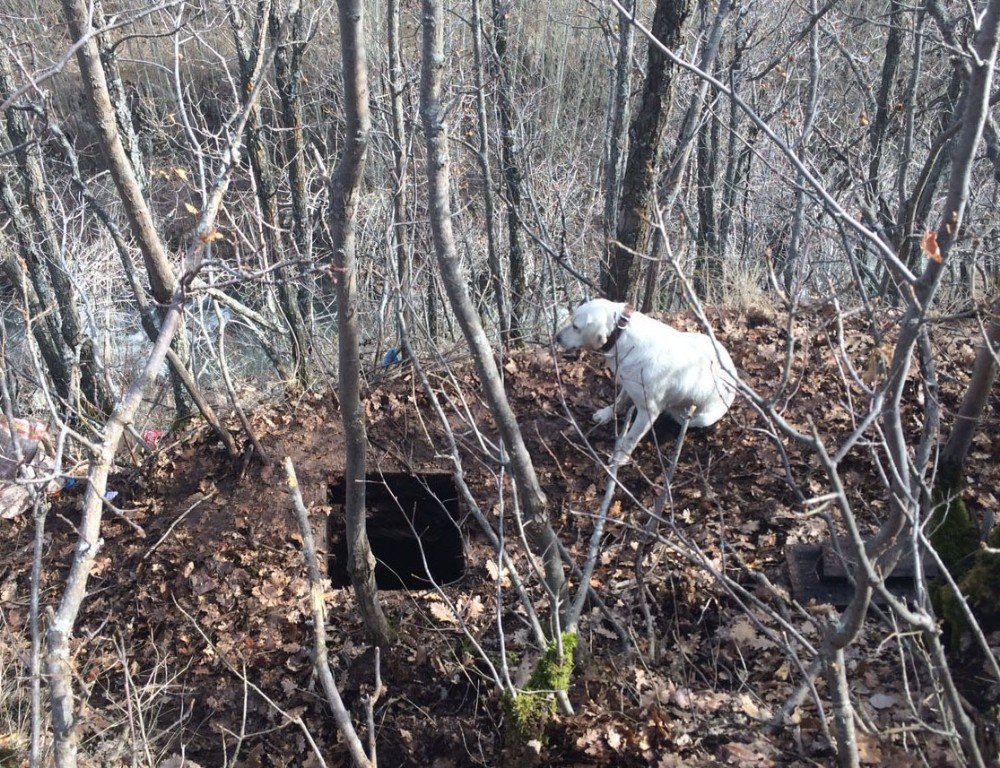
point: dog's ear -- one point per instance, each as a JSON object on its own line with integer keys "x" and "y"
{"x": 595, "y": 332}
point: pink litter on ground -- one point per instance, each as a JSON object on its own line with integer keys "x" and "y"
{"x": 152, "y": 437}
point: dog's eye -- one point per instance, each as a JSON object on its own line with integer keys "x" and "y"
{"x": 575, "y": 327}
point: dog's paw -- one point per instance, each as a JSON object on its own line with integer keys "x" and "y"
{"x": 604, "y": 415}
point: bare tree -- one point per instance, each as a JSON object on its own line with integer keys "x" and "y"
{"x": 483, "y": 155}
{"x": 698, "y": 112}
{"x": 38, "y": 308}
{"x": 436, "y": 135}
{"x": 511, "y": 170}
{"x": 970, "y": 412}
{"x": 58, "y": 660}
{"x": 321, "y": 659}
{"x": 397, "y": 85}
{"x": 251, "y": 46}
{"x": 905, "y": 474}
{"x": 40, "y": 249}
{"x": 619, "y": 277}
{"x": 344, "y": 190}
{"x": 288, "y": 78}
{"x": 790, "y": 260}
{"x": 618, "y": 118}
{"x": 162, "y": 280}
{"x": 125, "y": 115}
{"x": 801, "y": 159}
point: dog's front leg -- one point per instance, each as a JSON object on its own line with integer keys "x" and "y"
{"x": 617, "y": 408}
{"x": 643, "y": 421}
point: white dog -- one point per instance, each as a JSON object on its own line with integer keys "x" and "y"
{"x": 658, "y": 368}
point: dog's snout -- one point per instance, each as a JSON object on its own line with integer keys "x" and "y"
{"x": 566, "y": 339}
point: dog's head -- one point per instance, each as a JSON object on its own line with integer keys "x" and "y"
{"x": 592, "y": 323}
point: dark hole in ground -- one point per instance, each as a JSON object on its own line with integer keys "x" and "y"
{"x": 411, "y": 518}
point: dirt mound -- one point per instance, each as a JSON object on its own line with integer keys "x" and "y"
{"x": 196, "y": 631}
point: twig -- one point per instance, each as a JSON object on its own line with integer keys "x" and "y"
{"x": 370, "y": 701}
{"x": 594, "y": 550}
{"x": 321, "y": 659}
{"x": 649, "y": 530}
{"x": 176, "y": 522}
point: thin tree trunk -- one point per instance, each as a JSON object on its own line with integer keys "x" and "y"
{"x": 321, "y": 654}
{"x": 492, "y": 256}
{"x": 42, "y": 251}
{"x": 620, "y": 276}
{"x": 38, "y": 295}
{"x": 734, "y": 161}
{"x": 708, "y": 265}
{"x": 970, "y": 411}
{"x": 288, "y": 79}
{"x": 510, "y": 162}
{"x": 249, "y": 52}
{"x": 619, "y": 114}
{"x": 879, "y": 212}
{"x": 966, "y": 143}
{"x": 794, "y": 254}
{"x": 344, "y": 190}
{"x": 916, "y": 208}
{"x": 288, "y": 75}
{"x": 49, "y": 344}
{"x": 162, "y": 280}
{"x": 58, "y": 659}
{"x": 911, "y": 102}
{"x": 119, "y": 98}
{"x": 843, "y": 714}
{"x": 397, "y": 117}
{"x": 147, "y": 311}
{"x": 681, "y": 153}
{"x": 436, "y": 134}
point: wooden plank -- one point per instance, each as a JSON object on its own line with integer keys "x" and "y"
{"x": 833, "y": 564}
{"x": 811, "y": 585}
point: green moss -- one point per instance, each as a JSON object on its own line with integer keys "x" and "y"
{"x": 529, "y": 711}
{"x": 977, "y": 572}
{"x": 953, "y": 534}
{"x": 527, "y": 714}
{"x": 981, "y": 587}
{"x": 553, "y": 673}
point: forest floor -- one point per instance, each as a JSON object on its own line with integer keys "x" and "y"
{"x": 199, "y": 604}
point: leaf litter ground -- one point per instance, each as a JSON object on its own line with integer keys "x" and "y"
{"x": 196, "y": 630}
